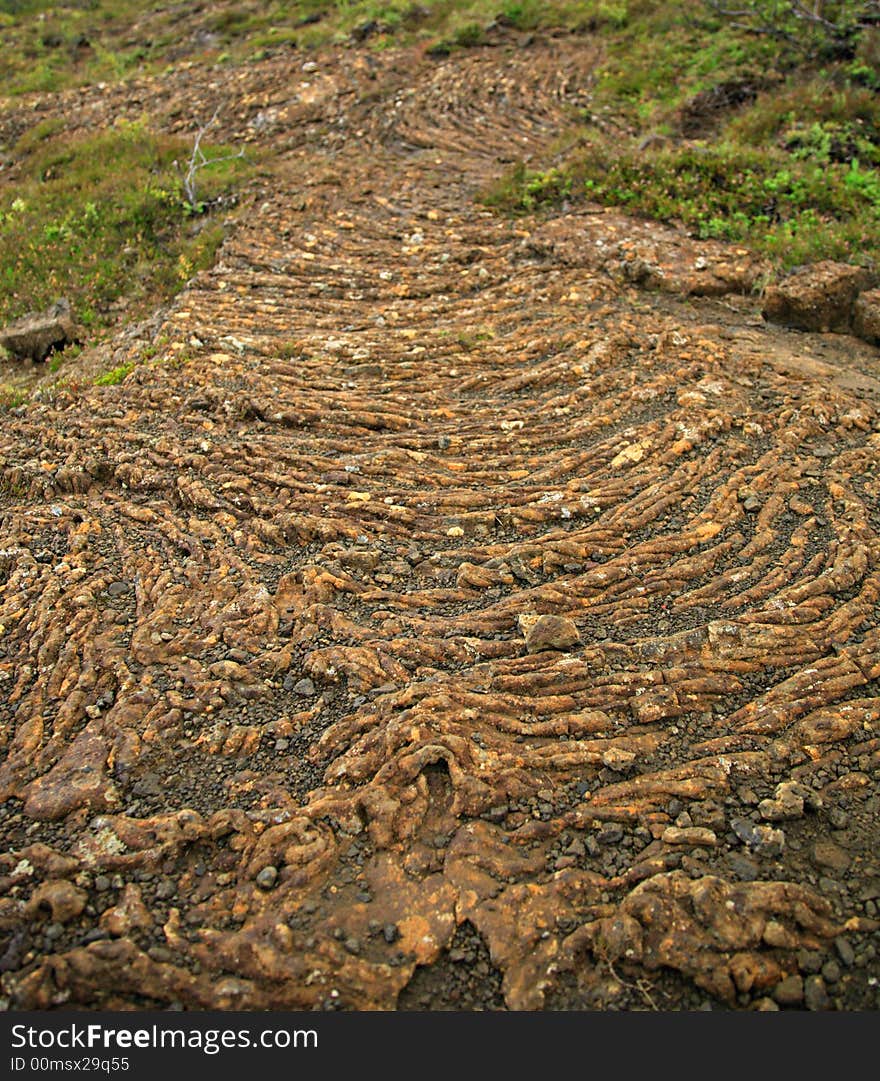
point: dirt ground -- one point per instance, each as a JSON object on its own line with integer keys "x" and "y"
{"x": 449, "y": 611}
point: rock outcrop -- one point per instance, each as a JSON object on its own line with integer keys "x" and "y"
{"x": 35, "y": 335}
{"x": 820, "y": 297}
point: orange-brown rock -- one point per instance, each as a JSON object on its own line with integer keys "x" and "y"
{"x": 434, "y": 617}
{"x": 548, "y": 632}
{"x": 866, "y": 316}
{"x": 818, "y": 297}
{"x": 61, "y": 898}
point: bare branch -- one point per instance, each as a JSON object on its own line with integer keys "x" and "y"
{"x": 198, "y": 161}
{"x": 799, "y": 22}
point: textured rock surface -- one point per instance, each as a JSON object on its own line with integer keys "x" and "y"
{"x": 268, "y": 709}
{"x": 34, "y": 336}
{"x": 819, "y": 297}
{"x": 866, "y": 316}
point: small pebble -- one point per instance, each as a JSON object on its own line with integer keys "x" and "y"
{"x": 789, "y": 992}
{"x": 815, "y": 995}
{"x": 809, "y": 961}
{"x": 844, "y": 951}
{"x": 267, "y": 878}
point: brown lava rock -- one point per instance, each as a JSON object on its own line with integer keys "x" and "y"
{"x": 282, "y": 728}
{"x": 819, "y": 297}
{"x": 549, "y": 632}
{"x": 35, "y": 335}
{"x": 866, "y": 316}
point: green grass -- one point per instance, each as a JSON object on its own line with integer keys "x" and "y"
{"x": 50, "y": 45}
{"x": 101, "y": 219}
{"x": 791, "y": 171}
{"x": 11, "y": 397}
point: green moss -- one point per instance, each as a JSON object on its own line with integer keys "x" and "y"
{"x": 114, "y": 376}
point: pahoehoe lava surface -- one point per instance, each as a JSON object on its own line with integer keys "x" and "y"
{"x": 273, "y": 736}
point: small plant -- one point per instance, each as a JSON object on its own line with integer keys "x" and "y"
{"x": 198, "y": 161}
{"x": 11, "y": 397}
{"x": 866, "y": 182}
{"x": 471, "y": 339}
{"x": 114, "y": 376}
{"x": 71, "y": 352}
{"x": 16, "y": 208}
{"x": 529, "y": 189}
{"x": 469, "y": 36}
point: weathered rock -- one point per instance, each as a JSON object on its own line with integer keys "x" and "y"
{"x": 790, "y": 991}
{"x": 36, "y": 335}
{"x": 761, "y": 839}
{"x": 831, "y": 971}
{"x": 128, "y": 914}
{"x": 788, "y": 803}
{"x": 844, "y": 951}
{"x": 831, "y": 855}
{"x": 866, "y": 316}
{"x": 779, "y": 936}
{"x": 695, "y": 836}
{"x": 50, "y": 861}
{"x": 549, "y": 632}
{"x": 618, "y": 760}
{"x": 78, "y": 779}
{"x": 818, "y": 297}
{"x": 61, "y": 898}
{"x": 815, "y": 994}
{"x": 267, "y": 878}
{"x": 620, "y": 937}
{"x": 754, "y": 972}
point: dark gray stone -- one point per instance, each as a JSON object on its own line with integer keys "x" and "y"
{"x": 789, "y": 992}
{"x": 844, "y": 951}
{"x": 815, "y": 995}
{"x": 267, "y": 878}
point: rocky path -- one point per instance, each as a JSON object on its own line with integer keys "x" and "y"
{"x": 434, "y": 620}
